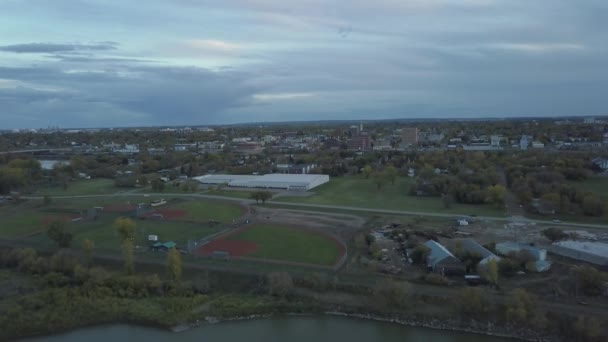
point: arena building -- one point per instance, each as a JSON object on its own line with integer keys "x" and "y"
{"x": 301, "y": 182}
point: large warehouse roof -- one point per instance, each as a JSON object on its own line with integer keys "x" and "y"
{"x": 596, "y": 248}
{"x": 273, "y": 180}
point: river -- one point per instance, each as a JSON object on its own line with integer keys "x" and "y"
{"x": 292, "y": 329}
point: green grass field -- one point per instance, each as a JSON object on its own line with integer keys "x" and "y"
{"x": 356, "y": 191}
{"x": 596, "y": 184}
{"x": 82, "y": 187}
{"x": 209, "y": 210}
{"x": 280, "y": 243}
{"x": 17, "y": 224}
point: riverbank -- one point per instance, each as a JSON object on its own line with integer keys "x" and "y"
{"x": 454, "y": 325}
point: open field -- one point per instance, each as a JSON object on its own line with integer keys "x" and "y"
{"x": 209, "y": 210}
{"x": 595, "y": 184}
{"x": 289, "y": 244}
{"x": 14, "y": 225}
{"x": 82, "y": 187}
{"x": 359, "y": 192}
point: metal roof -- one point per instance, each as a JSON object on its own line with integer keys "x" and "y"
{"x": 438, "y": 252}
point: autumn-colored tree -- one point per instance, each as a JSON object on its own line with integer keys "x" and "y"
{"x": 174, "y": 264}
{"x": 496, "y": 195}
{"x": 491, "y": 272}
{"x": 391, "y": 174}
{"x": 127, "y": 253}
{"x": 88, "y": 247}
{"x": 126, "y": 228}
{"x": 367, "y": 171}
{"x": 280, "y": 284}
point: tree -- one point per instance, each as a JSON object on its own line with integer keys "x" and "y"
{"x": 158, "y": 185}
{"x": 471, "y": 301}
{"x": 379, "y": 179}
{"x": 420, "y": 253}
{"x": 127, "y": 253}
{"x": 367, "y": 171}
{"x": 88, "y": 247}
{"x": 391, "y": 174}
{"x": 126, "y": 228}
{"x": 280, "y": 284}
{"x": 47, "y": 199}
{"x": 265, "y": 195}
{"x": 593, "y": 206}
{"x": 496, "y": 195}
{"x": 522, "y": 307}
{"x": 256, "y": 196}
{"x": 57, "y": 232}
{"x": 590, "y": 280}
{"x": 554, "y": 234}
{"x": 447, "y": 200}
{"x": 491, "y": 272}
{"x": 392, "y": 293}
{"x": 174, "y": 263}
{"x": 587, "y": 327}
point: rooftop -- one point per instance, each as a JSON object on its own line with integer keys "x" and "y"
{"x": 597, "y": 248}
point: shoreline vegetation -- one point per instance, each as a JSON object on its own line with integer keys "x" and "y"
{"x": 42, "y": 295}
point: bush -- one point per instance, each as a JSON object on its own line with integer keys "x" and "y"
{"x": 436, "y": 279}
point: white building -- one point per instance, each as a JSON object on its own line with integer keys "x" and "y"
{"x": 592, "y": 252}
{"x": 537, "y": 144}
{"x": 300, "y": 182}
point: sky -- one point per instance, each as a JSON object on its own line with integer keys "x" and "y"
{"x": 111, "y": 63}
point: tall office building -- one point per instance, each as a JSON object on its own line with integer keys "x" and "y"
{"x": 409, "y": 135}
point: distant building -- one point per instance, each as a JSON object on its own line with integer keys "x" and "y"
{"x": 409, "y": 135}
{"x": 248, "y": 148}
{"x": 524, "y": 142}
{"x": 440, "y": 260}
{"x": 602, "y": 163}
{"x": 295, "y": 169}
{"x": 354, "y": 131}
{"x": 360, "y": 143}
{"x": 537, "y": 144}
{"x": 495, "y": 140}
{"x": 591, "y": 252}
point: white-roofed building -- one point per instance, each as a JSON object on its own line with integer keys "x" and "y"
{"x": 300, "y": 182}
{"x": 592, "y": 252}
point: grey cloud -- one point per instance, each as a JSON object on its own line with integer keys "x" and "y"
{"x": 132, "y": 94}
{"x": 58, "y": 48}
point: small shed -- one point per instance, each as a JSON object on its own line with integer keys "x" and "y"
{"x": 163, "y": 247}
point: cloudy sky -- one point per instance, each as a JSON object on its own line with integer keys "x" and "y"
{"x": 87, "y": 63}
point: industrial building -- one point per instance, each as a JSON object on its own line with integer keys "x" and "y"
{"x": 440, "y": 260}
{"x": 591, "y": 252}
{"x": 541, "y": 264}
{"x": 301, "y": 182}
{"x": 471, "y": 246}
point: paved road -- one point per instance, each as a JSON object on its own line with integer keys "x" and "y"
{"x": 337, "y": 207}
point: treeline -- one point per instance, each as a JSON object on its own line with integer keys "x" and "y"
{"x": 542, "y": 185}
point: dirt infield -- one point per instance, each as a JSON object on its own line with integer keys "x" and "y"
{"x": 234, "y": 248}
{"x": 119, "y": 208}
{"x": 167, "y": 214}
